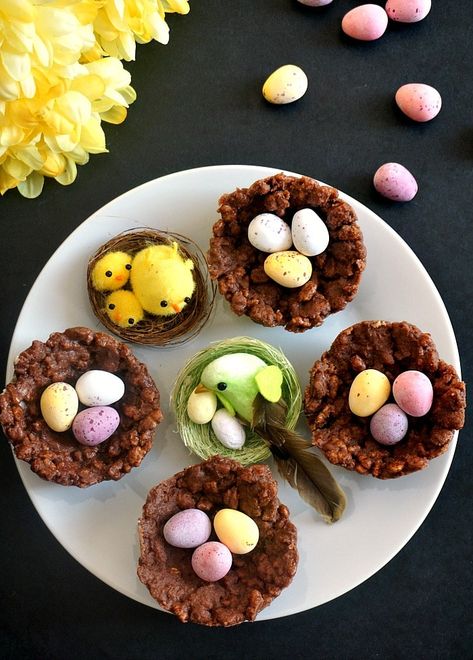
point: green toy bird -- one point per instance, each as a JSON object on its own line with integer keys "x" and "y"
{"x": 248, "y": 387}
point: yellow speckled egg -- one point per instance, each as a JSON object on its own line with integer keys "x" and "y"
{"x": 236, "y": 530}
{"x": 288, "y": 268}
{"x": 201, "y": 406}
{"x": 285, "y": 85}
{"x": 368, "y": 392}
{"x": 59, "y": 404}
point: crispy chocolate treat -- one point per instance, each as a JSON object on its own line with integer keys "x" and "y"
{"x": 58, "y": 456}
{"x": 390, "y": 348}
{"x": 254, "y": 580}
{"x": 238, "y": 266}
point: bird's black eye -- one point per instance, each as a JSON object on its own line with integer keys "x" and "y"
{"x": 221, "y": 386}
{"x": 164, "y": 303}
{"x": 131, "y": 321}
{"x": 111, "y": 306}
{"x": 187, "y": 299}
{"x": 128, "y": 266}
{"x": 108, "y": 273}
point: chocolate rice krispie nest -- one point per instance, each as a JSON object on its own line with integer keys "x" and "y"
{"x": 57, "y": 456}
{"x": 390, "y": 348}
{"x": 238, "y": 266}
{"x": 254, "y": 580}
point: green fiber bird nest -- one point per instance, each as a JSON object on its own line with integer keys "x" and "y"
{"x": 200, "y": 438}
{"x": 153, "y": 330}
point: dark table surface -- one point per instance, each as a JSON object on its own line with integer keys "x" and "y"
{"x": 199, "y": 103}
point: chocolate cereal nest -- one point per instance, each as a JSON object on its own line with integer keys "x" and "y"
{"x": 391, "y": 348}
{"x": 59, "y": 457}
{"x": 238, "y": 266}
{"x": 254, "y": 580}
{"x": 157, "y": 330}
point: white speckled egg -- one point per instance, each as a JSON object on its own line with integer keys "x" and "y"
{"x": 99, "y": 388}
{"x": 309, "y": 233}
{"x": 188, "y": 528}
{"x": 285, "y": 85}
{"x": 394, "y": 181}
{"x": 315, "y": 3}
{"x": 418, "y": 101}
{"x": 95, "y": 425}
{"x": 228, "y": 429}
{"x": 201, "y": 406}
{"x": 290, "y": 268}
{"x": 408, "y": 11}
{"x": 269, "y": 233}
{"x": 59, "y": 405}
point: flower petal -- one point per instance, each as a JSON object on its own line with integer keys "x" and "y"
{"x": 32, "y": 186}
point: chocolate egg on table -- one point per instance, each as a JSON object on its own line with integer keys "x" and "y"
{"x": 236, "y": 530}
{"x": 413, "y": 392}
{"x": 289, "y": 268}
{"x": 269, "y": 233}
{"x": 59, "y": 405}
{"x": 309, "y": 233}
{"x": 95, "y": 425}
{"x": 389, "y": 424}
{"x": 365, "y": 22}
{"x": 99, "y": 388}
{"x": 418, "y": 101}
{"x": 211, "y": 561}
{"x": 228, "y": 429}
{"x": 408, "y": 11}
{"x": 394, "y": 181}
{"x": 188, "y": 528}
{"x": 368, "y": 392}
{"x": 201, "y": 406}
{"x": 285, "y": 85}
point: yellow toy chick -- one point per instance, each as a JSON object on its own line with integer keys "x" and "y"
{"x": 123, "y": 309}
{"x": 112, "y": 271}
{"x": 162, "y": 279}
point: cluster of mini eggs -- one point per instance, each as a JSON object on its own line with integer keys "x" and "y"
{"x": 160, "y": 280}
{"x": 369, "y": 392}
{"x": 211, "y": 560}
{"x": 95, "y": 389}
{"x": 308, "y": 234}
{"x": 202, "y": 409}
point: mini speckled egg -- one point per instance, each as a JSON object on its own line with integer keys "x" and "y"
{"x": 408, "y": 11}
{"x": 236, "y": 530}
{"x": 315, "y": 3}
{"x": 309, "y": 233}
{"x": 290, "y": 268}
{"x": 201, "y": 406}
{"x": 365, "y": 22}
{"x": 269, "y": 233}
{"x": 211, "y": 561}
{"x": 418, "y": 101}
{"x": 99, "y": 388}
{"x": 413, "y": 392}
{"x": 188, "y": 528}
{"x": 95, "y": 425}
{"x": 59, "y": 405}
{"x": 285, "y": 85}
{"x": 394, "y": 181}
{"x": 368, "y": 392}
{"x": 228, "y": 429}
{"x": 389, "y": 424}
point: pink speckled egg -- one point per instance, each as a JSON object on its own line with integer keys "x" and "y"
{"x": 94, "y": 425}
{"x": 315, "y": 3}
{"x": 413, "y": 392}
{"x": 211, "y": 561}
{"x": 418, "y": 101}
{"x": 389, "y": 425}
{"x": 366, "y": 22}
{"x": 394, "y": 181}
{"x": 408, "y": 11}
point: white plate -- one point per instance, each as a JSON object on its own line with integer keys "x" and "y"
{"x": 97, "y": 526}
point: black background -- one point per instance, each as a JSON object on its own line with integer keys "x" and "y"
{"x": 199, "y": 103}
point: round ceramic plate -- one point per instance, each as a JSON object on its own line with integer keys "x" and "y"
{"x": 381, "y": 516}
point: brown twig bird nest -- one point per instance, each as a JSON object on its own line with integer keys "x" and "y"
{"x": 157, "y": 330}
